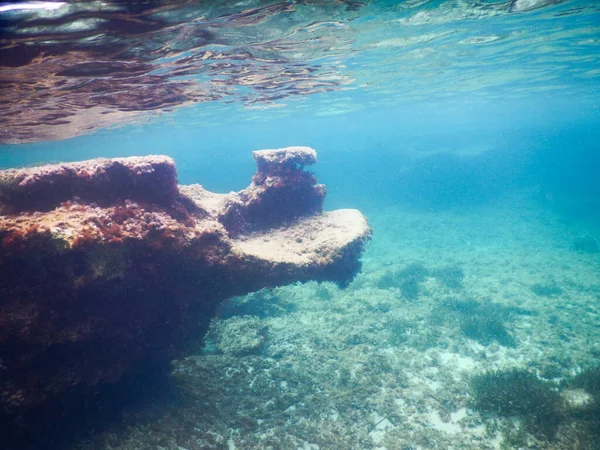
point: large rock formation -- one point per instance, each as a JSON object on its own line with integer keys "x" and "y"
{"x": 106, "y": 263}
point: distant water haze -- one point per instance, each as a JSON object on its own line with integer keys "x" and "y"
{"x": 433, "y": 155}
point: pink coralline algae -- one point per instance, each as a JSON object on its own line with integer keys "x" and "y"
{"x": 151, "y": 178}
{"x": 108, "y": 263}
{"x": 281, "y": 191}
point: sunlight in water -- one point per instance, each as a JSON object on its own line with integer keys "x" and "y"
{"x": 94, "y": 64}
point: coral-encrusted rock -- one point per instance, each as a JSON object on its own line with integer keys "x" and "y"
{"x": 107, "y": 263}
{"x": 272, "y": 161}
{"x": 151, "y": 178}
{"x": 281, "y": 192}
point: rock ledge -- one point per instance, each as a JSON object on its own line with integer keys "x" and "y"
{"x": 106, "y": 263}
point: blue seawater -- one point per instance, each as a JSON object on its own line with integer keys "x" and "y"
{"x": 468, "y": 133}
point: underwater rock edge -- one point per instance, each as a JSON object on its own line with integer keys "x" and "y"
{"x": 106, "y": 263}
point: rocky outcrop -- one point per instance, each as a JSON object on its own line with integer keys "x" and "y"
{"x": 280, "y": 192}
{"x": 102, "y": 181}
{"x": 106, "y": 263}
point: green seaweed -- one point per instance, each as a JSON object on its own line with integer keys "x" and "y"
{"x": 588, "y": 380}
{"x": 323, "y": 292}
{"x": 239, "y": 335}
{"x": 410, "y": 289}
{"x": 450, "y": 276}
{"x": 582, "y": 430}
{"x": 519, "y": 393}
{"x": 408, "y": 280}
{"x": 485, "y": 330}
{"x": 483, "y": 322}
{"x": 400, "y": 330}
{"x": 416, "y": 271}
{"x": 586, "y": 244}
{"x": 541, "y": 406}
{"x": 263, "y": 303}
{"x": 546, "y": 289}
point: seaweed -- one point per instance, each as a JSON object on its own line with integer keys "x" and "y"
{"x": 545, "y": 409}
{"x": 323, "y": 292}
{"x": 416, "y": 271}
{"x": 582, "y": 431}
{"x": 485, "y": 330}
{"x": 387, "y": 280}
{"x": 578, "y": 435}
{"x": 519, "y": 393}
{"x": 546, "y": 289}
{"x": 240, "y": 335}
{"x": 263, "y": 303}
{"x": 483, "y": 322}
{"x": 586, "y": 244}
{"x": 410, "y": 289}
{"x": 588, "y": 380}
{"x": 408, "y": 280}
{"x": 400, "y": 329}
{"x": 450, "y": 276}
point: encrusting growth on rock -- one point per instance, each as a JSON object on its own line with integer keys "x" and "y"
{"x": 103, "y": 181}
{"x": 281, "y": 191}
{"x": 108, "y": 262}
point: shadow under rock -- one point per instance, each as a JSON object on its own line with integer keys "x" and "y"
{"x": 87, "y": 416}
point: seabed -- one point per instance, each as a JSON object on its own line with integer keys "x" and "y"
{"x": 387, "y": 363}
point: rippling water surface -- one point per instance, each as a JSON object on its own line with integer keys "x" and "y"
{"x": 67, "y": 68}
{"x": 467, "y": 131}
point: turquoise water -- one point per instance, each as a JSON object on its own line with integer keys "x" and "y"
{"x": 466, "y": 131}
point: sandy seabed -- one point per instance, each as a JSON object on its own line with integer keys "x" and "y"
{"x": 379, "y": 365}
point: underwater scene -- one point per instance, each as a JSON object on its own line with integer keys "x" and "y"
{"x": 301, "y": 224}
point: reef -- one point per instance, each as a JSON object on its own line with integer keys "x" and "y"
{"x": 109, "y": 263}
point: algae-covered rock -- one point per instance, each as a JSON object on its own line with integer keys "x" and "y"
{"x": 109, "y": 263}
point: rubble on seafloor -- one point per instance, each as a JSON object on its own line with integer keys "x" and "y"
{"x": 108, "y": 262}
